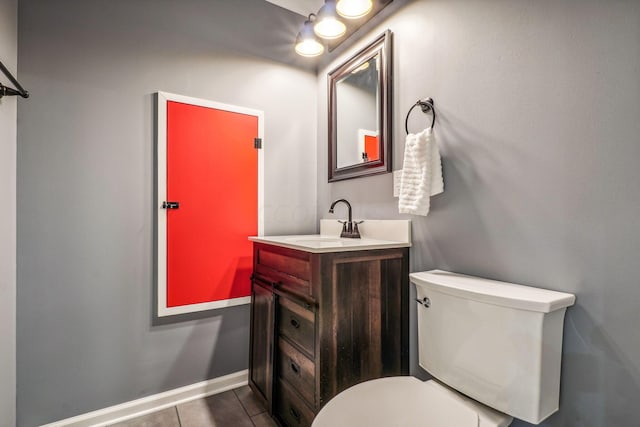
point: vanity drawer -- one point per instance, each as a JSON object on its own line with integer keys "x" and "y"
{"x": 288, "y": 269}
{"x": 297, "y": 323}
{"x": 298, "y": 370}
{"x": 290, "y": 408}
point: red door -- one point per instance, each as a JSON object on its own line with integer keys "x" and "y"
{"x": 212, "y": 172}
{"x": 372, "y": 147}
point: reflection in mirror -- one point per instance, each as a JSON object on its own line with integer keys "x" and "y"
{"x": 359, "y": 113}
{"x": 357, "y": 106}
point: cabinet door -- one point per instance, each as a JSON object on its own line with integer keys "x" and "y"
{"x": 209, "y": 194}
{"x": 362, "y": 322}
{"x": 261, "y": 352}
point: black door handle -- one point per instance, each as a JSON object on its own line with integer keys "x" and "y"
{"x": 170, "y": 205}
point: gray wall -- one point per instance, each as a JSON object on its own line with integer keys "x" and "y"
{"x": 8, "y": 115}
{"x": 86, "y": 338}
{"x": 538, "y": 106}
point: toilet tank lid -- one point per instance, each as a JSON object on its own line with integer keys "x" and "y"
{"x": 493, "y": 291}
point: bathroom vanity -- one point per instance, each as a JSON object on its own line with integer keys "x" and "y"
{"x": 327, "y": 313}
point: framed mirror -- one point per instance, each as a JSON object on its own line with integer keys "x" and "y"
{"x": 360, "y": 113}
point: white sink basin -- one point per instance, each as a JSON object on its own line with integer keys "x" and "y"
{"x": 316, "y": 239}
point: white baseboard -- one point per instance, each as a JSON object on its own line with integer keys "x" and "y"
{"x": 149, "y": 404}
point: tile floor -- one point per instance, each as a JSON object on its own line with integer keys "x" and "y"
{"x": 234, "y": 408}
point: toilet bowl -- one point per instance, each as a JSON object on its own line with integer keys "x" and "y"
{"x": 493, "y": 348}
{"x": 406, "y": 402}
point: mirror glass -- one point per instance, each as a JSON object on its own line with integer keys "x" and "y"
{"x": 359, "y": 112}
{"x": 357, "y": 105}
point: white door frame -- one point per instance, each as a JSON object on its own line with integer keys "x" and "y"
{"x": 161, "y": 172}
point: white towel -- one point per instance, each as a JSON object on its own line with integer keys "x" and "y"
{"x": 421, "y": 173}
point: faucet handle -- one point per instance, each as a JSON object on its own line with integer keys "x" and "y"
{"x": 356, "y": 232}
{"x": 344, "y": 228}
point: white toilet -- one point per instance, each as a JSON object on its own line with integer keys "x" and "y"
{"x": 494, "y": 349}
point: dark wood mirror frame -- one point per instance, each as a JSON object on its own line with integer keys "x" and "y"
{"x": 382, "y": 45}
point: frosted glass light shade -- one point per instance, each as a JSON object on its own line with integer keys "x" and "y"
{"x": 327, "y": 25}
{"x": 354, "y": 9}
{"x": 330, "y": 29}
{"x": 309, "y": 47}
{"x": 307, "y": 44}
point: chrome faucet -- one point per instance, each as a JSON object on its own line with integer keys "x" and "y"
{"x": 349, "y": 227}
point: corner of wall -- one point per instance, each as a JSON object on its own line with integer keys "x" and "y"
{"x": 8, "y": 125}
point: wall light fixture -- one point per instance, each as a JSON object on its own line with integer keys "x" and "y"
{"x": 307, "y": 44}
{"x": 334, "y": 23}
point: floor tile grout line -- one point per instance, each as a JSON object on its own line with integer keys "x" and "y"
{"x": 255, "y": 421}
{"x": 242, "y": 405}
{"x": 178, "y": 415}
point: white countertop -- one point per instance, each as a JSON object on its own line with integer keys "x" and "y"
{"x": 376, "y": 234}
{"x": 317, "y": 243}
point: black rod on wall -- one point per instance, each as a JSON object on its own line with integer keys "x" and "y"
{"x": 7, "y": 91}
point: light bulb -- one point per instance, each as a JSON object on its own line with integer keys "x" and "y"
{"x": 360, "y": 68}
{"x": 354, "y": 9}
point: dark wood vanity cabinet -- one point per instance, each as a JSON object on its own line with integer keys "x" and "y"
{"x": 261, "y": 347}
{"x": 322, "y": 322}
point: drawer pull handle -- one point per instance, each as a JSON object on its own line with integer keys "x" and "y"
{"x": 295, "y": 323}
{"x": 294, "y": 414}
{"x": 295, "y": 368}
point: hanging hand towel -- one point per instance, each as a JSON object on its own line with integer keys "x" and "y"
{"x": 421, "y": 173}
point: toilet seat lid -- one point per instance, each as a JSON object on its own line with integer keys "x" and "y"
{"x": 406, "y": 402}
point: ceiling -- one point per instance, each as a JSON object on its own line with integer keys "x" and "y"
{"x": 301, "y": 7}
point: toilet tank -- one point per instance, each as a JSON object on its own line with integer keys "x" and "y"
{"x": 499, "y": 343}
